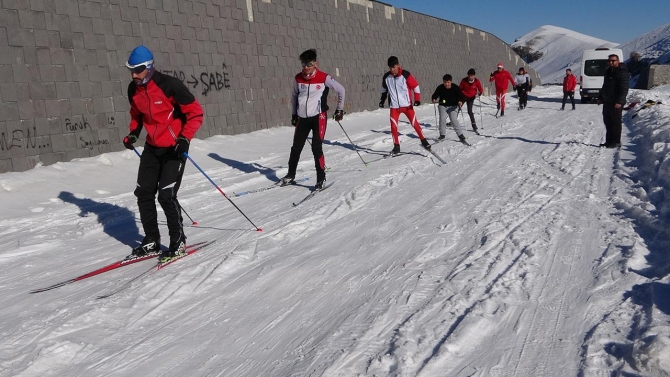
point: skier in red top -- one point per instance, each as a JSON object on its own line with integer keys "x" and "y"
{"x": 171, "y": 115}
{"x": 569, "y": 85}
{"x": 471, "y": 87}
{"x": 501, "y": 77}
{"x": 400, "y": 86}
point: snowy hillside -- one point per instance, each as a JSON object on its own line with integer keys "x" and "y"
{"x": 561, "y": 49}
{"x": 651, "y": 46}
{"x": 531, "y": 253}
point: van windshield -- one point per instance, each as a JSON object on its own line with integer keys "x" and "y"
{"x": 595, "y": 67}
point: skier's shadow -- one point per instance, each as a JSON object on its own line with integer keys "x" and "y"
{"x": 411, "y": 135}
{"x": 270, "y": 173}
{"x": 118, "y": 222}
{"x": 522, "y": 139}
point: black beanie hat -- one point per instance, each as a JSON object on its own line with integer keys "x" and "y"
{"x": 471, "y": 71}
{"x": 393, "y": 60}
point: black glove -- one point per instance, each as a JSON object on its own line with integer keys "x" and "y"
{"x": 294, "y": 120}
{"x": 182, "y": 146}
{"x": 382, "y": 99}
{"x": 491, "y": 74}
{"x": 129, "y": 140}
{"x": 417, "y": 103}
{"x": 339, "y": 114}
{"x": 514, "y": 88}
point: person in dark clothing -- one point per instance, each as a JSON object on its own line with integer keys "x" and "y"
{"x": 522, "y": 82}
{"x": 450, "y": 99}
{"x": 613, "y": 98}
{"x": 171, "y": 115}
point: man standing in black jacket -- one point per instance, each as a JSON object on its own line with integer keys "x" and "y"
{"x": 613, "y": 97}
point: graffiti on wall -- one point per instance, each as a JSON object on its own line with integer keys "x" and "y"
{"x": 20, "y": 139}
{"x": 371, "y": 83}
{"x": 205, "y": 81}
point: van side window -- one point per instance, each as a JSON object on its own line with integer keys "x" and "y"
{"x": 595, "y": 67}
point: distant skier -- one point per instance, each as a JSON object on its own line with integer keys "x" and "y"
{"x": 501, "y": 77}
{"x": 471, "y": 87}
{"x": 309, "y": 106}
{"x": 164, "y": 106}
{"x": 400, "y": 87}
{"x": 450, "y": 99}
{"x": 522, "y": 82}
{"x": 569, "y": 85}
{"x": 613, "y": 98}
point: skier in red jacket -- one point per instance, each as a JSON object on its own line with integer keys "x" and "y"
{"x": 171, "y": 115}
{"x": 501, "y": 77}
{"x": 569, "y": 85}
{"x": 471, "y": 87}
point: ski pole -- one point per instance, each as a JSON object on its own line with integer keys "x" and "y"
{"x": 352, "y": 143}
{"x": 180, "y": 207}
{"x": 481, "y": 118}
{"x": 195, "y": 223}
{"x": 221, "y": 191}
{"x": 437, "y": 124}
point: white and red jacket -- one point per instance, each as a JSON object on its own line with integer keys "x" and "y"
{"x": 309, "y": 97}
{"x": 400, "y": 89}
{"x": 569, "y": 83}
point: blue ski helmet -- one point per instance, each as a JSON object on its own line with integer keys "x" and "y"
{"x": 141, "y": 56}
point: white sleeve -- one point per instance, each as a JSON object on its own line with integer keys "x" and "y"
{"x": 331, "y": 83}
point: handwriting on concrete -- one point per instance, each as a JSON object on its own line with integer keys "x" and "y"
{"x": 20, "y": 139}
{"x": 207, "y": 81}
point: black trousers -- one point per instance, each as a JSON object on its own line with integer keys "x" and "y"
{"x": 523, "y": 95}
{"x": 612, "y": 120}
{"x": 565, "y": 99}
{"x": 160, "y": 172}
{"x": 317, "y": 125}
{"x": 470, "y": 101}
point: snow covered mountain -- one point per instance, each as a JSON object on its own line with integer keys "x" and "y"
{"x": 552, "y": 49}
{"x": 653, "y": 46}
{"x": 558, "y": 49}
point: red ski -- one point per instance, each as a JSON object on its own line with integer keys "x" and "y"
{"x": 156, "y": 267}
{"x": 124, "y": 262}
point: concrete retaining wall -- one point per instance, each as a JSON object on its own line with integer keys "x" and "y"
{"x": 63, "y": 80}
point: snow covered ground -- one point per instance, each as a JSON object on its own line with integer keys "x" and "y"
{"x": 531, "y": 253}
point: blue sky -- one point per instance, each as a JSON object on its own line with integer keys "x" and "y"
{"x": 617, "y": 21}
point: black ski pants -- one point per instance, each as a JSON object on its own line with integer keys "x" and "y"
{"x": 470, "y": 102}
{"x": 317, "y": 125}
{"x": 612, "y": 120}
{"x": 160, "y": 172}
{"x": 523, "y": 96}
{"x": 565, "y": 99}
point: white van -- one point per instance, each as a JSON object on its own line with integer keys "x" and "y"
{"x": 594, "y": 64}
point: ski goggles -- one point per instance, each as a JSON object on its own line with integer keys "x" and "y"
{"x": 307, "y": 64}
{"x": 139, "y": 68}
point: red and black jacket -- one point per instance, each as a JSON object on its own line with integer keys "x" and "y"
{"x": 166, "y": 108}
